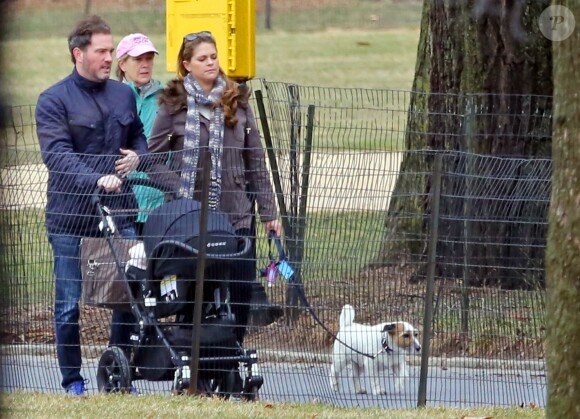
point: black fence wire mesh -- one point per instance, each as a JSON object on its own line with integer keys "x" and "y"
{"x": 356, "y": 206}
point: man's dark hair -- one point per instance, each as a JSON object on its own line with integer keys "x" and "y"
{"x": 80, "y": 36}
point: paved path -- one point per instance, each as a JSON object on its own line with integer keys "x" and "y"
{"x": 308, "y": 382}
{"x": 357, "y": 180}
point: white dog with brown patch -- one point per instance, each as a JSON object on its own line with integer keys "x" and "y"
{"x": 372, "y": 349}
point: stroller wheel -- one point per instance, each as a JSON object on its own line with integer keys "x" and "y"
{"x": 221, "y": 385}
{"x": 252, "y": 394}
{"x": 180, "y": 388}
{"x": 252, "y": 386}
{"x": 206, "y": 386}
{"x": 229, "y": 385}
{"x": 113, "y": 372}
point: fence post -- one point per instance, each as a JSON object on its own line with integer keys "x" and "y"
{"x": 295, "y": 134}
{"x": 273, "y": 162}
{"x": 200, "y": 274}
{"x": 301, "y": 222}
{"x": 292, "y": 300}
{"x": 468, "y": 124}
{"x": 268, "y": 14}
{"x": 300, "y": 231}
{"x": 431, "y": 264}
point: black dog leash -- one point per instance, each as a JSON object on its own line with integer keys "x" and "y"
{"x": 287, "y": 272}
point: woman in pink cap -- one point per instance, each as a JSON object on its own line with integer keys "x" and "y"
{"x": 135, "y": 60}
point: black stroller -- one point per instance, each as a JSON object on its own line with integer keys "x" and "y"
{"x": 162, "y": 299}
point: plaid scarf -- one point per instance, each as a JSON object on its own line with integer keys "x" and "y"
{"x": 196, "y": 96}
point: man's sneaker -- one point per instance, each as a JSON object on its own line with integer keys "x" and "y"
{"x": 77, "y": 389}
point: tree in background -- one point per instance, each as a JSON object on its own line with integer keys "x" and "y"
{"x": 483, "y": 85}
{"x": 563, "y": 255}
{"x": 3, "y": 120}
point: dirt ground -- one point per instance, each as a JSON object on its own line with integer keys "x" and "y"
{"x": 385, "y": 295}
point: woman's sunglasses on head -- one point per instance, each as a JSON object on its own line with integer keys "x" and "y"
{"x": 195, "y": 35}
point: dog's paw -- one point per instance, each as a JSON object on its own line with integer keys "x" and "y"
{"x": 361, "y": 391}
{"x": 379, "y": 391}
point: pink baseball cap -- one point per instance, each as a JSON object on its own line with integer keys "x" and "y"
{"x": 135, "y": 45}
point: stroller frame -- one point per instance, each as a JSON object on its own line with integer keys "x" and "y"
{"x": 116, "y": 371}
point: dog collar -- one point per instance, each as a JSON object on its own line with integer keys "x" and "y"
{"x": 386, "y": 346}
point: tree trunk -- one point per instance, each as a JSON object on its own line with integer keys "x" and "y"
{"x": 482, "y": 85}
{"x": 88, "y": 4}
{"x": 563, "y": 256}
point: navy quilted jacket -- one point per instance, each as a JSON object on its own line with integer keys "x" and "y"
{"x": 81, "y": 126}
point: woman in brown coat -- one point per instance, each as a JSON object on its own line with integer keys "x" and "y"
{"x": 203, "y": 109}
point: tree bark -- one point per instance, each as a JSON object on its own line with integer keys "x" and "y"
{"x": 482, "y": 85}
{"x": 563, "y": 255}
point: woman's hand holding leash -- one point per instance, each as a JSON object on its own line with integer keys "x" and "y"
{"x": 275, "y": 226}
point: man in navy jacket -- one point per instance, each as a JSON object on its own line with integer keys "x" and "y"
{"x": 90, "y": 135}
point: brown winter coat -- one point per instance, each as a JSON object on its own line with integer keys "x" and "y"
{"x": 244, "y": 171}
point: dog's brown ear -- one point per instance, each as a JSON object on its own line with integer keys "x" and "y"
{"x": 389, "y": 327}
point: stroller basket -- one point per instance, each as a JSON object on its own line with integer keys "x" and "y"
{"x": 218, "y": 347}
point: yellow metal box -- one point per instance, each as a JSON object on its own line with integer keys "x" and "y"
{"x": 232, "y": 23}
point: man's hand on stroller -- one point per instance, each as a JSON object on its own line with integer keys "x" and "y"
{"x": 275, "y": 226}
{"x": 110, "y": 183}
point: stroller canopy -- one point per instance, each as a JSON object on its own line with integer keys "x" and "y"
{"x": 179, "y": 221}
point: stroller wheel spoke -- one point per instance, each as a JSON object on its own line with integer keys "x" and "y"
{"x": 113, "y": 373}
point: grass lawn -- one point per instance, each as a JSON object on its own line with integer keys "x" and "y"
{"x": 26, "y": 405}
{"x": 362, "y": 59}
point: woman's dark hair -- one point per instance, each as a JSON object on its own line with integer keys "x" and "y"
{"x": 80, "y": 36}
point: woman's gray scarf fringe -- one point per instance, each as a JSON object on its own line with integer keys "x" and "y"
{"x": 196, "y": 96}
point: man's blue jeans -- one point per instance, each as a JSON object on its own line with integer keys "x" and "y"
{"x": 68, "y": 290}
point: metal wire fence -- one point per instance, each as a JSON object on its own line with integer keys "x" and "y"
{"x": 358, "y": 211}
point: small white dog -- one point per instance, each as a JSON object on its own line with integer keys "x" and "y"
{"x": 372, "y": 348}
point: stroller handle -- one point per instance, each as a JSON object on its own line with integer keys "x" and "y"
{"x": 194, "y": 251}
{"x": 129, "y": 182}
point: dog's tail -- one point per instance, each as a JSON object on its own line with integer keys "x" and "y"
{"x": 346, "y": 316}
